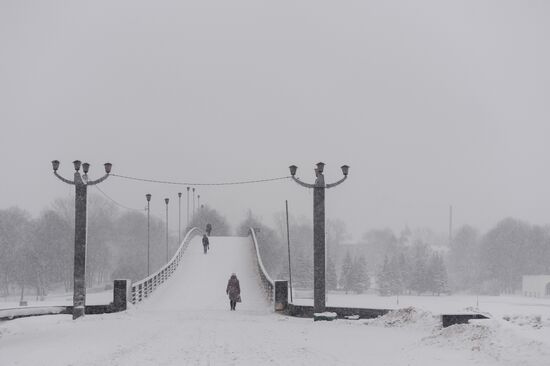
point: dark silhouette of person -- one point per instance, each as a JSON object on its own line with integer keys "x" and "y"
{"x": 208, "y": 229}
{"x": 205, "y": 243}
{"x": 233, "y": 290}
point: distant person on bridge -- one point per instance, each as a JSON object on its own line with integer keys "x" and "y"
{"x": 208, "y": 229}
{"x": 205, "y": 243}
{"x": 234, "y": 291}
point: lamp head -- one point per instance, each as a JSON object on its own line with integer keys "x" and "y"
{"x": 166, "y": 200}
{"x": 108, "y": 167}
{"x": 188, "y": 189}
{"x": 293, "y": 169}
{"x": 320, "y": 167}
{"x": 86, "y": 167}
{"x": 179, "y": 194}
{"x": 77, "y": 164}
{"x": 345, "y": 169}
{"x": 55, "y": 165}
{"x": 148, "y": 197}
{"x": 193, "y": 189}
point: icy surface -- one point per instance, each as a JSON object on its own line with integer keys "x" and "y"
{"x": 187, "y": 322}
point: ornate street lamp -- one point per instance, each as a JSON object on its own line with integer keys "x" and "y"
{"x": 81, "y": 183}
{"x": 193, "y": 201}
{"x": 179, "y": 219}
{"x": 319, "y": 300}
{"x": 148, "y": 198}
{"x": 77, "y": 164}
{"x": 166, "y": 200}
{"x": 188, "y": 188}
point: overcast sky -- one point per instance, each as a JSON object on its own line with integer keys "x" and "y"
{"x": 431, "y": 103}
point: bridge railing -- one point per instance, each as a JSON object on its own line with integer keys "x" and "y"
{"x": 142, "y": 289}
{"x": 267, "y": 282}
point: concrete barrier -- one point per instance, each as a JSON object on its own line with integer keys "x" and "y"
{"x": 281, "y": 295}
{"x": 122, "y": 292}
{"x": 451, "y": 319}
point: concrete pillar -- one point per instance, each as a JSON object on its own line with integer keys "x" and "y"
{"x": 319, "y": 248}
{"x": 79, "y": 294}
{"x": 121, "y": 294}
{"x": 281, "y": 295}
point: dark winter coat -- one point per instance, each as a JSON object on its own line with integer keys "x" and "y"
{"x": 233, "y": 288}
{"x": 208, "y": 228}
{"x": 205, "y": 241}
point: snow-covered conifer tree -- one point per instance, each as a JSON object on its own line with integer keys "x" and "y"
{"x": 361, "y": 279}
{"x": 347, "y": 273}
{"x": 332, "y": 277}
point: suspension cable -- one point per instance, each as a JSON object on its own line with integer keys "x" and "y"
{"x": 115, "y": 202}
{"x": 200, "y": 184}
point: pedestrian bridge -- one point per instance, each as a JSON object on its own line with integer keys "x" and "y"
{"x": 198, "y": 280}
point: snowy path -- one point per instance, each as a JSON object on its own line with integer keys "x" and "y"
{"x": 200, "y": 281}
{"x": 187, "y": 322}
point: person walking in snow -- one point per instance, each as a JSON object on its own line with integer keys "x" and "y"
{"x": 205, "y": 243}
{"x": 233, "y": 290}
{"x": 208, "y": 229}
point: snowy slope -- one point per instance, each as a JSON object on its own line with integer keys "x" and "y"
{"x": 201, "y": 279}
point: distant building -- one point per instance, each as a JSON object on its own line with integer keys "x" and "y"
{"x": 536, "y": 286}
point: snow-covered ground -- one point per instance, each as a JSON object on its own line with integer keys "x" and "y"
{"x": 187, "y": 322}
{"x": 59, "y": 299}
{"x": 497, "y": 306}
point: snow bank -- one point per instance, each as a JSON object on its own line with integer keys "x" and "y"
{"x": 327, "y": 315}
{"x": 406, "y": 317}
{"x": 18, "y": 312}
{"x": 495, "y": 339}
{"x": 535, "y": 321}
{"x": 459, "y": 336}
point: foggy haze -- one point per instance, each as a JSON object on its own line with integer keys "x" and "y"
{"x": 431, "y": 103}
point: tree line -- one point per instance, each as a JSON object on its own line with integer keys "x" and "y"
{"x": 417, "y": 261}
{"x": 37, "y": 254}
{"x": 494, "y": 262}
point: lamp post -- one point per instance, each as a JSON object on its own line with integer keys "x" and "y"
{"x": 179, "y": 219}
{"x": 81, "y": 183}
{"x": 188, "y": 207}
{"x": 166, "y": 200}
{"x": 193, "y": 201}
{"x": 319, "y": 300}
{"x": 199, "y": 201}
{"x": 148, "y": 197}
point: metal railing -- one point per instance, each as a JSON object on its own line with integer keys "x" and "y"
{"x": 267, "y": 282}
{"x": 142, "y": 289}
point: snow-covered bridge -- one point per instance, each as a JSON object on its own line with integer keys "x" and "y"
{"x": 200, "y": 279}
